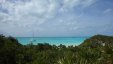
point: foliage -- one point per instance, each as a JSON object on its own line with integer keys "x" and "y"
{"x": 91, "y": 51}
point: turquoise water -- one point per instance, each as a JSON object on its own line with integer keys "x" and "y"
{"x": 52, "y": 40}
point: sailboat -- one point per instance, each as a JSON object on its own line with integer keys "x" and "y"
{"x": 33, "y": 39}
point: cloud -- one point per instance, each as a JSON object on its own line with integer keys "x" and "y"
{"x": 107, "y": 10}
{"x": 67, "y": 4}
{"x": 60, "y": 17}
{"x": 34, "y": 10}
{"x": 28, "y": 13}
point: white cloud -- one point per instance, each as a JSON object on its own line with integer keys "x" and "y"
{"x": 38, "y": 10}
{"x": 70, "y": 4}
{"x": 26, "y": 15}
{"x": 29, "y": 15}
{"x": 107, "y": 10}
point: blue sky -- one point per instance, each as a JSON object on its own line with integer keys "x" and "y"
{"x": 56, "y": 18}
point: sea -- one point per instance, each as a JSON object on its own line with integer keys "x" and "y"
{"x": 52, "y": 40}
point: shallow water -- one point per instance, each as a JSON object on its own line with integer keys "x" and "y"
{"x": 52, "y": 40}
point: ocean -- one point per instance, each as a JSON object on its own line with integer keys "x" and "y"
{"x": 52, "y": 40}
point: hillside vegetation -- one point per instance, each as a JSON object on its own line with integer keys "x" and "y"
{"x": 95, "y": 50}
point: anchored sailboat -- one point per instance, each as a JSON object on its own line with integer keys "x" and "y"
{"x": 33, "y": 39}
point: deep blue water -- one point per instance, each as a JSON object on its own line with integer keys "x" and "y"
{"x": 52, "y": 40}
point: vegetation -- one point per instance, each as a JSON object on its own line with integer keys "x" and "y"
{"x": 95, "y": 50}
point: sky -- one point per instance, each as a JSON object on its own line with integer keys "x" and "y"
{"x": 56, "y": 18}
